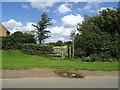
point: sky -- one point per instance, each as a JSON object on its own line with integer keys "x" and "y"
{"x": 19, "y": 16}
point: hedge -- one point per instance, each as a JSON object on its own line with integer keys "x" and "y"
{"x": 9, "y": 44}
{"x": 38, "y": 50}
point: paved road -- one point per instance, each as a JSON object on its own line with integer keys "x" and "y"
{"x": 58, "y": 82}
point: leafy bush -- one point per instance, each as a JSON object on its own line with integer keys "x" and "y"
{"x": 104, "y": 57}
{"x": 99, "y": 57}
{"x": 100, "y": 37}
{"x": 79, "y": 52}
{"x": 68, "y": 43}
{"x": 9, "y": 43}
{"x": 14, "y": 41}
{"x": 21, "y": 37}
{"x": 59, "y": 43}
{"x": 38, "y": 50}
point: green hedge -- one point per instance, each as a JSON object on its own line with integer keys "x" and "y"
{"x": 8, "y": 43}
{"x": 39, "y": 50}
{"x": 101, "y": 57}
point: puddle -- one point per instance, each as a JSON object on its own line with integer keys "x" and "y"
{"x": 71, "y": 75}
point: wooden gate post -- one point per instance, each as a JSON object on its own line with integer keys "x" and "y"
{"x": 69, "y": 52}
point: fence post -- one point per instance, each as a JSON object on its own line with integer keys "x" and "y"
{"x": 61, "y": 52}
{"x": 73, "y": 48}
{"x": 70, "y": 52}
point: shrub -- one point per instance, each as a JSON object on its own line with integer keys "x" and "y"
{"x": 8, "y": 43}
{"x": 79, "y": 52}
{"x": 59, "y": 43}
{"x": 104, "y": 57}
{"x": 39, "y": 50}
{"x": 20, "y": 37}
{"x": 14, "y": 41}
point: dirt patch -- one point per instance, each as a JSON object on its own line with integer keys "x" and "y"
{"x": 35, "y": 72}
{"x": 45, "y": 72}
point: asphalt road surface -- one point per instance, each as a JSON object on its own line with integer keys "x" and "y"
{"x": 59, "y": 82}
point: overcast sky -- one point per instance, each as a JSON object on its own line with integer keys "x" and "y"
{"x": 18, "y": 16}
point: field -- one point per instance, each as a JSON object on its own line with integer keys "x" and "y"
{"x": 19, "y": 61}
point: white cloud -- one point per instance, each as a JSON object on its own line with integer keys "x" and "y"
{"x": 51, "y": 39}
{"x": 54, "y": 21}
{"x": 92, "y": 6}
{"x": 76, "y": 1}
{"x": 64, "y": 8}
{"x": 14, "y": 26}
{"x": 69, "y": 23}
{"x": 55, "y": 39}
{"x": 28, "y": 27}
{"x": 44, "y": 0}
{"x": 26, "y": 6}
{"x": 61, "y": 38}
{"x": 79, "y": 9}
{"x": 88, "y": 6}
{"x": 11, "y": 24}
{"x": 60, "y": 30}
{"x": 71, "y": 20}
{"x": 92, "y": 11}
{"x": 41, "y": 5}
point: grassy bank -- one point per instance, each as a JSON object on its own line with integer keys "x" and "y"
{"x": 17, "y": 60}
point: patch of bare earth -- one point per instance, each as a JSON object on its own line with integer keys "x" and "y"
{"x": 35, "y": 72}
{"x": 45, "y": 72}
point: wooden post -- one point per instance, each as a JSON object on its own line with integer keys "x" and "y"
{"x": 67, "y": 52}
{"x": 61, "y": 52}
{"x": 73, "y": 49}
{"x": 70, "y": 52}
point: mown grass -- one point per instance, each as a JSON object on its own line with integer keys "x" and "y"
{"x": 15, "y": 60}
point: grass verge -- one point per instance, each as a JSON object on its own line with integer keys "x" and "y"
{"x": 15, "y": 60}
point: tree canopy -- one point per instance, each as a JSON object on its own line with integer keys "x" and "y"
{"x": 41, "y": 27}
{"x": 100, "y": 35}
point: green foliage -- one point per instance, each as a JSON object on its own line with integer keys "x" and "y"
{"x": 0, "y": 42}
{"x": 108, "y": 20}
{"x": 13, "y": 42}
{"x": 42, "y": 34}
{"x": 79, "y": 52}
{"x": 51, "y": 43}
{"x": 59, "y": 43}
{"x": 9, "y": 43}
{"x": 68, "y": 43}
{"x": 39, "y": 50}
{"x": 100, "y": 36}
{"x": 20, "y": 37}
{"x": 104, "y": 57}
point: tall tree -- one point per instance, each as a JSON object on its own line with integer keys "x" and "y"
{"x": 41, "y": 27}
{"x": 100, "y": 35}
